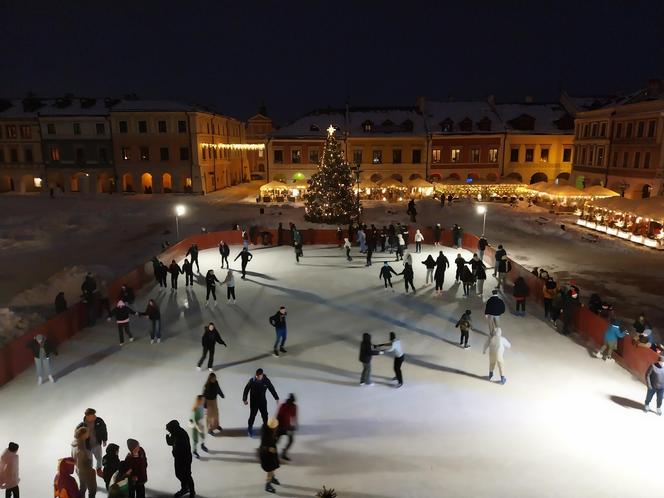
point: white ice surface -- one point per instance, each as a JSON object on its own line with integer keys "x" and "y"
{"x": 552, "y": 430}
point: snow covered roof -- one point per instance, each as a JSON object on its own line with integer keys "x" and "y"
{"x": 385, "y": 121}
{"x": 154, "y": 106}
{"x": 462, "y": 117}
{"x": 20, "y": 108}
{"x": 76, "y": 106}
{"x": 546, "y": 118}
{"x": 313, "y": 125}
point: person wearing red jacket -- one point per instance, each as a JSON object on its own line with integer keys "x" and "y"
{"x": 64, "y": 485}
{"x": 287, "y": 417}
{"x": 137, "y": 463}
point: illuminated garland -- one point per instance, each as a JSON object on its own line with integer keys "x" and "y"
{"x": 235, "y": 146}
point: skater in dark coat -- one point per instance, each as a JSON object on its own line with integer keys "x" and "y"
{"x": 246, "y": 257}
{"x": 127, "y": 294}
{"x": 408, "y": 276}
{"x": 278, "y": 321}
{"x": 209, "y": 340}
{"x": 255, "y": 390}
{"x": 225, "y": 251}
{"x": 367, "y": 352}
{"x": 520, "y": 293}
{"x": 442, "y": 263}
{"x": 178, "y": 439}
{"x": 268, "y": 453}
{"x": 494, "y": 308}
{"x": 482, "y": 244}
{"x": 437, "y": 230}
{"x": 88, "y": 289}
{"x": 340, "y": 237}
{"x": 154, "y": 315}
{"x": 464, "y": 325}
{"x": 481, "y": 277}
{"x": 467, "y": 279}
{"x": 571, "y": 305}
{"x": 188, "y": 271}
{"x": 369, "y": 254}
{"x": 351, "y": 230}
{"x": 163, "y": 271}
{"x": 297, "y": 246}
{"x": 280, "y": 234}
{"x": 155, "y": 269}
{"x": 175, "y": 272}
{"x": 386, "y": 273}
{"x": 460, "y": 265}
{"x": 430, "y": 264}
{"x": 498, "y": 257}
{"x": 60, "y": 303}
{"x": 457, "y": 234}
{"x": 193, "y": 252}
{"x": 211, "y": 288}
{"x": 121, "y": 312}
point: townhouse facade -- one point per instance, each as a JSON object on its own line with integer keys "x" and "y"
{"x": 621, "y": 145}
{"x": 257, "y": 130}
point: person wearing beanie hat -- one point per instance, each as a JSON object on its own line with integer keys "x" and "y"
{"x": 655, "y": 384}
{"x": 110, "y": 463}
{"x": 42, "y": 350}
{"x": 464, "y": 325}
{"x": 178, "y": 439}
{"x": 611, "y": 336}
{"x": 137, "y": 468}
{"x": 269, "y": 456}
{"x": 9, "y": 478}
{"x": 121, "y": 313}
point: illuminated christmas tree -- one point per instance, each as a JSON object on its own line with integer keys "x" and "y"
{"x": 330, "y": 197}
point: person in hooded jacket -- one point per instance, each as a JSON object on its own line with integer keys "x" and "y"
{"x": 386, "y": 272}
{"x": 498, "y": 256}
{"x": 611, "y": 336}
{"x": 256, "y": 389}
{"x": 571, "y": 305}
{"x": 64, "y": 484}
{"x": 193, "y": 252}
{"x": 211, "y": 390}
{"x": 268, "y": 453}
{"x": 9, "y": 475}
{"x": 225, "y": 251}
{"x": 210, "y": 285}
{"x": 430, "y": 264}
{"x": 110, "y": 463}
{"x": 209, "y": 340}
{"x": 549, "y": 291}
{"x": 83, "y": 458}
{"x": 137, "y": 464}
{"x": 520, "y": 293}
{"x": 474, "y": 263}
{"x": 245, "y": 256}
{"x": 481, "y": 277}
{"x": 437, "y": 231}
{"x": 419, "y": 238}
{"x": 497, "y": 344}
{"x": 460, "y": 265}
{"x": 153, "y": 313}
{"x": 464, "y": 324}
{"x": 188, "y": 271}
{"x": 467, "y": 279}
{"x": 127, "y": 294}
{"x": 230, "y": 286}
{"x": 367, "y": 351}
{"x": 121, "y": 312}
{"x": 504, "y": 267}
{"x": 655, "y": 384}
{"x": 175, "y": 272}
{"x": 408, "y": 275}
{"x": 494, "y": 308}
{"x": 60, "y": 303}
{"x": 442, "y": 263}
{"x": 178, "y": 439}
{"x": 482, "y": 244}
{"x": 42, "y": 351}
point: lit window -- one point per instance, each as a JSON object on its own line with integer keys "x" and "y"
{"x": 493, "y": 155}
{"x": 296, "y": 156}
{"x": 544, "y": 155}
{"x": 55, "y": 153}
{"x": 377, "y": 157}
{"x": 455, "y": 155}
{"x": 474, "y": 155}
{"x": 435, "y": 155}
{"x": 124, "y": 153}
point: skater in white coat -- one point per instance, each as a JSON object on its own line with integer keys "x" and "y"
{"x": 419, "y": 238}
{"x": 497, "y": 344}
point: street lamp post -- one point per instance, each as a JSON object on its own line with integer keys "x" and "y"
{"x": 482, "y": 210}
{"x": 357, "y": 190}
{"x": 179, "y": 211}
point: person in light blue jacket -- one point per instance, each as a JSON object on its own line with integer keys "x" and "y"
{"x": 611, "y": 336}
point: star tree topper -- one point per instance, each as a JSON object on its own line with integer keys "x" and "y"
{"x": 330, "y": 130}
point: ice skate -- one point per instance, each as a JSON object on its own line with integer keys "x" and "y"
{"x": 269, "y": 488}
{"x": 39, "y": 381}
{"x": 204, "y": 448}
{"x": 195, "y": 453}
{"x": 659, "y": 411}
{"x": 275, "y": 481}
{"x": 283, "y": 350}
{"x": 131, "y": 339}
{"x": 159, "y": 341}
{"x": 275, "y": 353}
{"x": 646, "y": 408}
{"x": 151, "y": 341}
{"x": 51, "y": 379}
{"x": 503, "y": 380}
{"x": 198, "y": 369}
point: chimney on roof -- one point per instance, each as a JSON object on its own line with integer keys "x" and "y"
{"x": 655, "y": 87}
{"x": 421, "y": 103}
{"x": 529, "y": 99}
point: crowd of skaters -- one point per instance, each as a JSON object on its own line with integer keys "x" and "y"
{"x": 560, "y": 304}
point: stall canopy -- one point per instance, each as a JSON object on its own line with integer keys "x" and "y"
{"x": 620, "y": 204}
{"x": 300, "y": 184}
{"x": 419, "y": 183}
{"x": 367, "y": 184}
{"x": 651, "y": 208}
{"x": 274, "y": 186}
{"x": 599, "y": 191}
{"x": 392, "y": 183}
{"x": 538, "y": 187}
{"x": 557, "y": 190}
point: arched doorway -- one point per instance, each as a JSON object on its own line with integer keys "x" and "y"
{"x": 167, "y": 183}
{"x": 472, "y": 176}
{"x": 146, "y": 183}
{"x": 563, "y": 176}
{"x": 28, "y": 184}
{"x": 188, "y": 185}
{"x": 376, "y": 178}
{"x": 397, "y": 177}
{"x": 6, "y": 183}
{"x": 454, "y": 176}
{"x": 515, "y": 176}
{"x": 645, "y": 191}
{"x": 539, "y": 177}
{"x": 434, "y": 178}
{"x": 80, "y": 182}
{"x": 128, "y": 183}
{"x": 414, "y": 176}
{"x": 104, "y": 183}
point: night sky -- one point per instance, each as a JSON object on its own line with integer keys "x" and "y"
{"x": 301, "y": 55}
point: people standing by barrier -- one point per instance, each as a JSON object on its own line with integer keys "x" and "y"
{"x": 42, "y": 351}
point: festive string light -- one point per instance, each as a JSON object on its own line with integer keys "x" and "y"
{"x": 235, "y": 146}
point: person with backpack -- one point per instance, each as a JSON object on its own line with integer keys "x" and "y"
{"x": 655, "y": 384}
{"x": 278, "y": 321}
{"x": 464, "y": 324}
{"x": 210, "y": 286}
{"x": 153, "y": 313}
{"x": 504, "y": 267}
{"x": 209, "y": 340}
{"x": 188, "y": 271}
{"x": 246, "y": 257}
{"x": 497, "y": 344}
{"x": 611, "y": 336}
{"x": 175, "y": 271}
{"x": 121, "y": 312}
{"x": 193, "y": 252}
{"x": 255, "y": 390}
{"x": 520, "y": 293}
{"x": 225, "y": 251}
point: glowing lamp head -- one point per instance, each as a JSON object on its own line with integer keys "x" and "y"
{"x": 179, "y": 210}
{"x": 481, "y": 209}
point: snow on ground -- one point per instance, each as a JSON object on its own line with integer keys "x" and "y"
{"x": 42, "y": 237}
{"x": 557, "y": 428}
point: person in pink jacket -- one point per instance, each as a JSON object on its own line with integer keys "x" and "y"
{"x": 9, "y": 471}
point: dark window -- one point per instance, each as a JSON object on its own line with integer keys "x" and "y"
{"x": 123, "y": 127}
{"x": 396, "y": 156}
{"x": 637, "y": 159}
{"x": 163, "y": 153}
{"x": 28, "y": 155}
{"x": 619, "y": 130}
{"x": 600, "y": 156}
{"x": 278, "y": 156}
{"x": 614, "y": 161}
{"x": 586, "y": 130}
{"x": 145, "y": 153}
{"x": 314, "y": 156}
{"x": 544, "y": 155}
{"x": 530, "y": 154}
{"x": 640, "y": 129}
{"x": 602, "y": 130}
{"x": 474, "y": 155}
{"x": 124, "y": 153}
{"x": 80, "y": 155}
{"x": 13, "y": 155}
{"x": 182, "y": 128}
{"x": 484, "y": 124}
{"x": 101, "y": 129}
{"x": 142, "y": 126}
{"x": 594, "y": 130}
{"x": 26, "y": 131}
{"x": 651, "y": 129}
{"x": 628, "y": 133}
{"x": 357, "y": 157}
{"x": 625, "y": 159}
{"x": 466, "y": 125}
{"x": 208, "y": 127}
{"x": 2, "y": 156}
{"x": 582, "y": 158}
{"x": 296, "y": 156}
{"x": 417, "y": 156}
{"x": 184, "y": 152}
{"x": 591, "y": 152}
{"x": 646, "y": 160}
{"x": 567, "y": 154}
{"x": 103, "y": 155}
{"x": 55, "y": 153}
{"x": 377, "y": 157}
{"x": 11, "y": 131}
{"x": 162, "y": 126}
{"x": 77, "y": 128}
{"x": 50, "y": 129}
{"x": 514, "y": 155}
{"x": 204, "y": 152}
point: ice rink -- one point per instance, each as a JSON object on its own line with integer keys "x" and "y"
{"x": 565, "y": 424}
